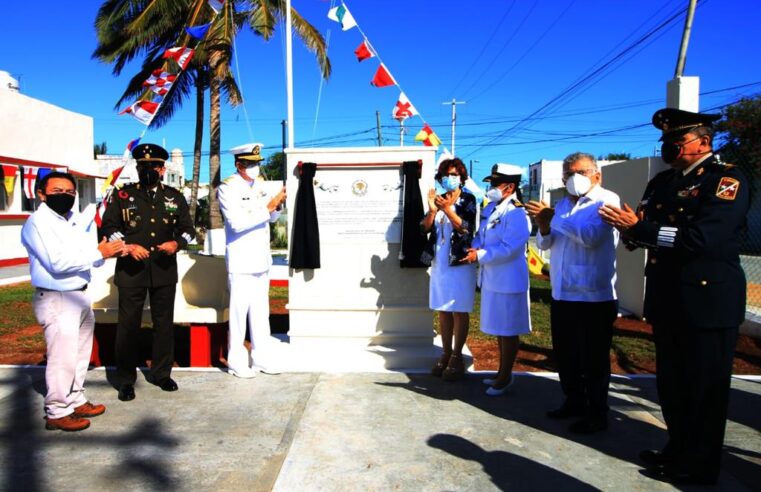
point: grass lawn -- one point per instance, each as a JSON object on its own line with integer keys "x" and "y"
{"x": 16, "y": 308}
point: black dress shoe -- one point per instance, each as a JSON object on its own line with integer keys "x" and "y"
{"x": 670, "y": 475}
{"x": 589, "y": 425}
{"x": 167, "y": 384}
{"x": 126, "y": 392}
{"x": 656, "y": 459}
{"x": 566, "y": 411}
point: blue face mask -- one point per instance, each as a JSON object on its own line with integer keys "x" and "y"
{"x": 450, "y": 183}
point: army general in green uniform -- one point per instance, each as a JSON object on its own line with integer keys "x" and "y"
{"x": 154, "y": 221}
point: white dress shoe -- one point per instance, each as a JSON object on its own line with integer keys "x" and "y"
{"x": 492, "y": 391}
{"x": 246, "y": 373}
{"x": 271, "y": 370}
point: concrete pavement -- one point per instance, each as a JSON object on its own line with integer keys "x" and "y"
{"x": 323, "y": 431}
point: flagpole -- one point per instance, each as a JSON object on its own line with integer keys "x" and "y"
{"x": 289, "y": 71}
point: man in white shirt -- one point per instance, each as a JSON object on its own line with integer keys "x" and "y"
{"x": 247, "y": 211}
{"x": 61, "y": 254}
{"x": 583, "y": 276}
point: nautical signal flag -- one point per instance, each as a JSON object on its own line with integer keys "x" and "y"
{"x": 160, "y": 82}
{"x": 428, "y": 137}
{"x": 382, "y": 77}
{"x": 216, "y": 5}
{"x": 198, "y": 32}
{"x": 403, "y": 108}
{"x": 364, "y": 51}
{"x": 342, "y": 15}
{"x": 132, "y": 144}
{"x": 143, "y": 111}
{"x": 9, "y": 180}
{"x": 535, "y": 262}
{"x": 181, "y": 55}
{"x": 30, "y": 177}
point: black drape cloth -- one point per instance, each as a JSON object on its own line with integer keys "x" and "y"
{"x": 305, "y": 237}
{"x": 413, "y": 239}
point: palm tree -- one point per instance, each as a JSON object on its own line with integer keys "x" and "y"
{"x": 129, "y": 28}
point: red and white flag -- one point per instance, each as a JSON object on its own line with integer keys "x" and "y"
{"x": 181, "y": 55}
{"x": 30, "y": 178}
{"x": 382, "y": 77}
{"x": 363, "y": 52}
{"x": 143, "y": 111}
{"x": 403, "y": 109}
{"x": 160, "y": 78}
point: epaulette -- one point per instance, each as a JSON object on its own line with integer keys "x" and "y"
{"x": 229, "y": 179}
{"x": 517, "y": 203}
{"x": 170, "y": 188}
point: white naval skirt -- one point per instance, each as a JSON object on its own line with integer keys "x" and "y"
{"x": 505, "y": 315}
{"x": 452, "y": 288}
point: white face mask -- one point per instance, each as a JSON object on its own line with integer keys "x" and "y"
{"x": 578, "y": 185}
{"x": 252, "y": 172}
{"x": 494, "y": 194}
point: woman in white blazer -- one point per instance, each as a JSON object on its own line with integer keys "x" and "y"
{"x": 500, "y": 249}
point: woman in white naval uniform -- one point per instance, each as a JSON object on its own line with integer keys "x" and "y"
{"x": 247, "y": 211}
{"x": 500, "y": 248}
{"x": 451, "y": 222}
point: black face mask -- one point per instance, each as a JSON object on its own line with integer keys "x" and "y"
{"x": 671, "y": 152}
{"x": 148, "y": 176}
{"x": 60, "y": 203}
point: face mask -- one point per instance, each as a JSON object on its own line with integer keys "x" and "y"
{"x": 252, "y": 172}
{"x": 578, "y": 185}
{"x": 494, "y": 194}
{"x": 60, "y": 203}
{"x": 671, "y": 152}
{"x": 148, "y": 176}
{"x": 450, "y": 183}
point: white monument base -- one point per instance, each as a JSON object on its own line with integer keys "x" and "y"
{"x": 360, "y": 311}
{"x": 346, "y": 356}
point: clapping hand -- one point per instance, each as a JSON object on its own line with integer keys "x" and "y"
{"x": 542, "y": 214}
{"x": 432, "y": 207}
{"x": 622, "y": 219}
{"x": 471, "y": 257}
{"x": 444, "y": 203}
{"x": 109, "y": 249}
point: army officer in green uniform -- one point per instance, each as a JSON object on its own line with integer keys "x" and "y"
{"x": 154, "y": 221}
{"x": 690, "y": 220}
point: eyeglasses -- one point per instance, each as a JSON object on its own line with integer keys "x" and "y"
{"x": 59, "y": 191}
{"x": 583, "y": 172}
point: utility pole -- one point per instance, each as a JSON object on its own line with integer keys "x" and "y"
{"x": 685, "y": 40}
{"x": 377, "y": 125}
{"x": 454, "y": 104}
{"x": 470, "y": 173}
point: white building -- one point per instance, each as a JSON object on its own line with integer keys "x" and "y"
{"x": 34, "y": 136}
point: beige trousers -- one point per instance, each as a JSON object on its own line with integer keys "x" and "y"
{"x": 68, "y": 322}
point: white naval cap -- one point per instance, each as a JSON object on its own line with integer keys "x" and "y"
{"x": 248, "y": 152}
{"x": 503, "y": 172}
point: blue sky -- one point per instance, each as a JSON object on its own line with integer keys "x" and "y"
{"x": 507, "y": 59}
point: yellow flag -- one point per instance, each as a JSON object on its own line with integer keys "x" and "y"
{"x": 535, "y": 262}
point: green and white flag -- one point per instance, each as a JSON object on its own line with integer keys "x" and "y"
{"x": 342, "y": 15}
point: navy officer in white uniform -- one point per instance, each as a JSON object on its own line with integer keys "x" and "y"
{"x": 500, "y": 249}
{"x": 248, "y": 211}
{"x": 61, "y": 254}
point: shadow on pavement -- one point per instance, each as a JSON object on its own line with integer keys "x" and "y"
{"x": 508, "y": 471}
{"x": 143, "y": 451}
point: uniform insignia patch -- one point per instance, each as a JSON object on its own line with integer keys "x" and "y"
{"x": 123, "y": 194}
{"x": 701, "y": 171}
{"x": 727, "y": 189}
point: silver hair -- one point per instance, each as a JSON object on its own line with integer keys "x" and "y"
{"x": 577, "y": 156}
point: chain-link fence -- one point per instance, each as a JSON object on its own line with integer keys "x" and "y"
{"x": 750, "y": 245}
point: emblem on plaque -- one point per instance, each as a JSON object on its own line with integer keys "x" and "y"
{"x": 359, "y": 187}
